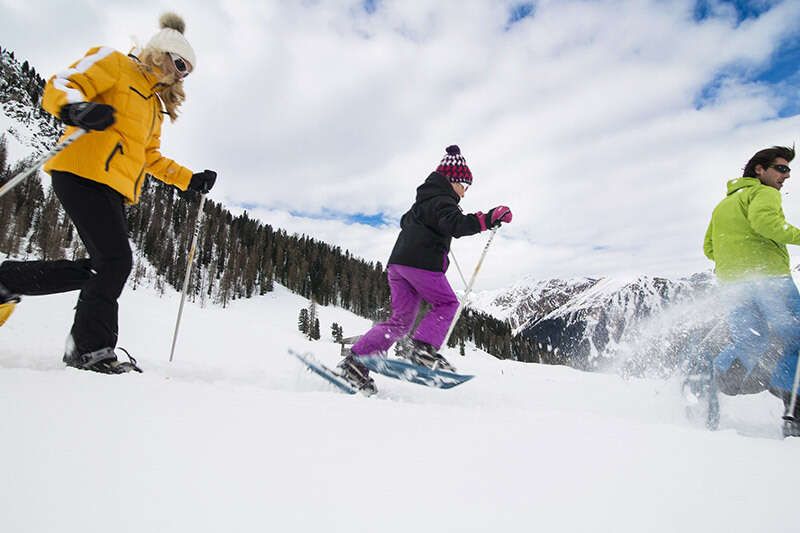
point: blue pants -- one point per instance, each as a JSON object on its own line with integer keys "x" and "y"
{"x": 764, "y": 326}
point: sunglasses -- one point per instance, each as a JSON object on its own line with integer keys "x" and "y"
{"x": 181, "y": 66}
{"x": 783, "y": 169}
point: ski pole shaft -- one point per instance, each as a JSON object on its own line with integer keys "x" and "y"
{"x": 192, "y": 248}
{"x": 463, "y": 279}
{"x": 463, "y": 301}
{"x": 16, "y": 180}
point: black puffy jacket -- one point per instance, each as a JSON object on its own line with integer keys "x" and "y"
{"x": 430, "y": 224}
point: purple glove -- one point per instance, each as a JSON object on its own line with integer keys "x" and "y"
{"x": 494, "y": 217}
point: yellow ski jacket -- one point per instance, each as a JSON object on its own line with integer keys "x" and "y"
{"x": 122, "y": 155}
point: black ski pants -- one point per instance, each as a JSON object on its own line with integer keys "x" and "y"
{"x": 98, "y": 212}
{"x": 35, "y": 278}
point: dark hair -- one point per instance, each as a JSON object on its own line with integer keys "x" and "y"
{"x": 766, "y": 157}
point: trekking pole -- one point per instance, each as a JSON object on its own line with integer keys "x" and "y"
{"x": 188, "y": 273}
{"x": 463, "y": 279}
{"x": 793, "y": 401}
{"x": 463, "y": 301}
{"x": 16, "y": 180}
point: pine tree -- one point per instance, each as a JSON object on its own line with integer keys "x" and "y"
{"x": 312, "y": 314}
{"x": 337, "y": 332}
{"x": 302, "y": 321}
{"x": 314, "y": 333}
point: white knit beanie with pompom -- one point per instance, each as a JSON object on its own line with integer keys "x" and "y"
{"x": 171, "y": 39}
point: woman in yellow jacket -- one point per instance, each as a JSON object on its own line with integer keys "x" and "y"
{"x": 121, "y": 100}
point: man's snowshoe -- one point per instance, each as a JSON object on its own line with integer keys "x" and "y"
{"x": 8, "y": 301}
{"x": 423, "y": 354}
{"x": 791, "y": 421}
{"x": 356, "y": 374}
{"x": 103, "y": 361}
{"x": 700, "y": 391}
{"x": 791, "y": 427}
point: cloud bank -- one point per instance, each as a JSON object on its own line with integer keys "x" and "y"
{"x": 609, "y": 127}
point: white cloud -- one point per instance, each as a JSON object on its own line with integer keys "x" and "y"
{"x": 582, "y": 118}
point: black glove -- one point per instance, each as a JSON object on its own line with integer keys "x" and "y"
{"x": 88, "y": 115}
{"x": 203, "y": 181}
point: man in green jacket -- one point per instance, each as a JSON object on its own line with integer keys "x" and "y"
{"x": 747, "y": 240}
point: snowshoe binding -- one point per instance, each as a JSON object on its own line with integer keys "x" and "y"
{"x": 423, "y": 354}
{"x": 356, "y": 374}
{"x": 103, "y": 361}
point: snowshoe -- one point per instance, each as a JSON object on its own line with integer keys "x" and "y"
{"x": 791, "y": 420}
{"x": 791, "y": 427}
{"x": 356, "y": 374}
{"x": 103, "y": 361}
{"x": 8, "y": 301}
{"x": 700, "y": 391}
{"x": 423, "y": 354}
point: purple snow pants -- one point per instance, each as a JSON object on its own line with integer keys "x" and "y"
{"x": 409, "y": 286}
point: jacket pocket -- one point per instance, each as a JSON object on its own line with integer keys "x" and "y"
{"x": 117, "y": 148}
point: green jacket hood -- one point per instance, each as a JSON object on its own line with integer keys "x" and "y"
{"x": 740, "y": 183}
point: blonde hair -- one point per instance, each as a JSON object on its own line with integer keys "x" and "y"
{"x": 169, "y": 86}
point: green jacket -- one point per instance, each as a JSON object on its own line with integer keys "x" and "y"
{"x": 748, "y": 233}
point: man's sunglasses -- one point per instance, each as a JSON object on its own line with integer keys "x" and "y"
{"x": 180, "y": 65}
{"x": 783, "y": 169}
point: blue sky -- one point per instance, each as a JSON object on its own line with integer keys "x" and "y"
{"x": 781, "y": 70}
{"x": 608, "y": 126}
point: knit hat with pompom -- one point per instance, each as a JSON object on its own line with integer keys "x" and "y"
{"x": 171, "y": 39}
{"x": 454, "y": 166}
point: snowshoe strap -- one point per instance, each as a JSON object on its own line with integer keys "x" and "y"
{"x": 127, "y": 366}
{"x": 99, "y": 357}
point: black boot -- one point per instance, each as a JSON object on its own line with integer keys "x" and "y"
{"x": 103, "y": 360}
{"x": 423, "y": 354}
{"x": 356, "y": 374}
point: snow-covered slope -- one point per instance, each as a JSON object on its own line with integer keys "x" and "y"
{"x": 236, "y": 436}
{"x": 27, "y": 130}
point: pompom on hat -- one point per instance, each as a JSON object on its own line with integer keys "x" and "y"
{"x": 171, "y": 39}
{"x": 454, "y": 166}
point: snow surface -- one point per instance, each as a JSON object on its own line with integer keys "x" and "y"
{"x": 235, "y": 436}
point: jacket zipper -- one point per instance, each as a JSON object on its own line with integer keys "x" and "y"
{"x": 156, "y": 109}
{"x": 118, "y": 147}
